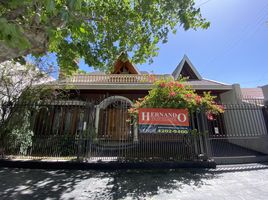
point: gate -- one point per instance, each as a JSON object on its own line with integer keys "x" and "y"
{"x": 107, "y": 145}
{"x": 241, "y": 131}
{"x": 113, "y": 124}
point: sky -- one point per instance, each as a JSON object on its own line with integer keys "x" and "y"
{"x": 234, "y": 49}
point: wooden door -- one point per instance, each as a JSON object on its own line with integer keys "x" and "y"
{"x": 117, "y": 125}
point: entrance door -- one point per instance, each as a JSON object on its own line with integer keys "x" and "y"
{"x": 117, "y": 123}
{"x": 113, "y": 123}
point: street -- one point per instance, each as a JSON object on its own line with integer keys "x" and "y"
{"x": 239, "y": 183}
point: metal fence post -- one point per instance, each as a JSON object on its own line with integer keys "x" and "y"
{"x": 194, "y": 134}
{"x": 200, "y": 131}
{"x": 81, "y": 129}
{"x": 206, "y": 134}
{"x": 265, "y": 116}
{"x": 203, "y": 138}
{"x": 79, "y": 150}
{"x": 135, "y": 132}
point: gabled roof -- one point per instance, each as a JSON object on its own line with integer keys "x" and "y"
{"x": 119, "y": 65}
{"x": 123, "y": 62}
{"x": 186, "y": 69}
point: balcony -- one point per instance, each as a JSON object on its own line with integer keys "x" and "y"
{"x": 116, "y": 79}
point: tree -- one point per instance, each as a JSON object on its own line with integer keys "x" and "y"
{"x": 20, "y": 85}
{"x": 96, "y": 30}
{"x": 18, "y": 80}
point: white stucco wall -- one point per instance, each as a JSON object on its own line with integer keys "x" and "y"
{"x": 244, "y": 122}
{"x": 246, "y": 128}
{"x": 232, "y": 96}
{"x": 265, "y": 93}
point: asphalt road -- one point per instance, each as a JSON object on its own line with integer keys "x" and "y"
{"x": 236, "y": 182}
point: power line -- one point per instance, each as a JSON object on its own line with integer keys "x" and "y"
{"x": 246, "y": 32}
{"x": 205, "y": 2}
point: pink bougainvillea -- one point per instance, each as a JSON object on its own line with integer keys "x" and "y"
{"x": 162, "y": 85}
{"x": 172, "y": 94}
{"x": 177, "y": 94}
{"x": 198, "y": 99}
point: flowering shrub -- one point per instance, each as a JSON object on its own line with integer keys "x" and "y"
{"x": 176, "y": 94}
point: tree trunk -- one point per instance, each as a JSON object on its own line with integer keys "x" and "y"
{"x": 38, "y": 39}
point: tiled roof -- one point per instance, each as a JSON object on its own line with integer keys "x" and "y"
{"x": 252, "y": 93}
{"x": 131, "y": 81}
{"x": 97, "y": 73}
{"x": 205, "y": 82}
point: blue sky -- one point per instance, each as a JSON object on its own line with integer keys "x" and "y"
{"x": 233, "y": 50}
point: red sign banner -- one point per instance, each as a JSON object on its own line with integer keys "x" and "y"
{"x": 163, "y": 116}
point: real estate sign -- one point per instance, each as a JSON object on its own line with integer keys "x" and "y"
{"x": 160, "y": 120}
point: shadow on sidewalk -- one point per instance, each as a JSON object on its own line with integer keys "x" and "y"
{"x": 71, "y": 184}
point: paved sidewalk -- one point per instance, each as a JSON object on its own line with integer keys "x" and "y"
{"x": 226, "y": 182}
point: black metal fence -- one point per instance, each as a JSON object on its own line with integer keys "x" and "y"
{"x": 148, "y": 147}
{"x": 93, "y": 131}
{"x": 240, "y": 131}
{"x": 54, "y": 147}
{"x": 99, "y": 130}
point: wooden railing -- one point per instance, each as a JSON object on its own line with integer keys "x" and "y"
{"x": 117, "y": 78}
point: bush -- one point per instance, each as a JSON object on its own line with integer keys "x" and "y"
{"x": 20, "y": 135}
{"x": 177, "y": 95}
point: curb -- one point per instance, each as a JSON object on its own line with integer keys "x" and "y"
{"x": 240, "y": 160}
{"x": 71, "y": 165}
{"x": 239, "y": 167}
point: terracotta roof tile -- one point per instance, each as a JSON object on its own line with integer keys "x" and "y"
{"x": 252, "y": 93}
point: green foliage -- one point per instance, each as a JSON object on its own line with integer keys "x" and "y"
{"x": 64, "y": 145}
{"x": 20, "y": 93}
{"x": 19, "y": 132}
{"x": 178, "y": 95}
{"x": 12, "y": 35}
{"x": 96, "y": 30}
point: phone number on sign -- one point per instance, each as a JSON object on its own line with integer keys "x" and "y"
{"x": 172, "y": 131}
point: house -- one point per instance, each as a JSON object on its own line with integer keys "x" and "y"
{"x": 99, "y": 101}
{"x": 112, "y": 94}
{"x": 93, "y": 120}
